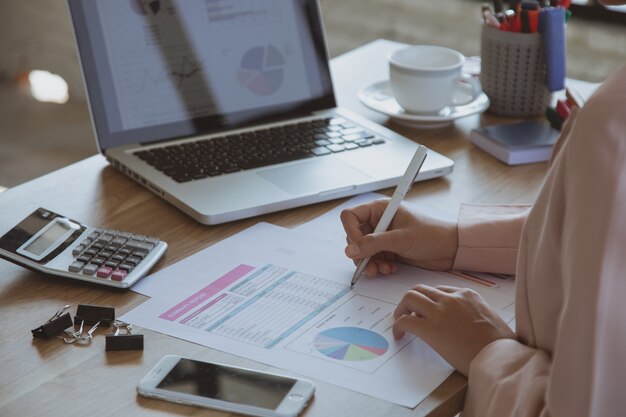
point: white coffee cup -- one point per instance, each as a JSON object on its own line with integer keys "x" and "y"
{"x": 425, "y": 78}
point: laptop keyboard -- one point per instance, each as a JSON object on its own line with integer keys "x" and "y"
{"x": 223, "y": 155}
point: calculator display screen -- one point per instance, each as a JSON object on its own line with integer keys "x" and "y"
{"x": 43, "y": 242}
{"x": 32, "y": 239}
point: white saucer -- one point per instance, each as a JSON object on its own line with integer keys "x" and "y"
{"x": 378, "y": 97}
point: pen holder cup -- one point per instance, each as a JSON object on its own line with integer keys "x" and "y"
{"x": 513, "y": 73}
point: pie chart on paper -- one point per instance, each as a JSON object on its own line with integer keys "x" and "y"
{"x": 350, "y": 344}
{"x": 262, "y": 70}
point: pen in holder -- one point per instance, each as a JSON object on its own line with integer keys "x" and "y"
{"x": 513, "y": 72}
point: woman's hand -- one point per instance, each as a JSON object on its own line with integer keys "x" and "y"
{"x": 412, "y": 238}
{"x": 456, "y": 322}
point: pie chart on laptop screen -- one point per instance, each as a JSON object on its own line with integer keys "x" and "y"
{"x": 350, "y": 344}
{"x": 262, "y": 70}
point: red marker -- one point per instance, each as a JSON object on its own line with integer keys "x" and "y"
{"x": 533, "y": 20}
{"x": 563, "y": 109}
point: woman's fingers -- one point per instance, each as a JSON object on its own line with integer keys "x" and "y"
{"x": 416, "y": 310}
{"x": 358, "y": 221}
{"x": 375, "y": 243}
{"x": 411, "y": 324}
{"x": 415, "y": 302}
{"x": 448, "y": 289}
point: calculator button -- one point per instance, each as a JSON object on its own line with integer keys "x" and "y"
{"x": 104, "y": 239}
{"x": 119, "y": 275}
{"x": 90, "y": 269}
{"x": 133, "y": 260}
{"x": 104, "y": 272}
{"x": 84, "y": 258}
{"x": 118, "y": 241}
{"x": 139, "y": 245}
{"x": 140, "y": 253}
{"x": 93, "y": 236}
{"x": 91, "y": 251}
{"x": 118, "y": 257}
{"x": 139, "y": 238}
{"x": 105, "y": 254}
{"x": 78, "y": 249}
{"x": 124, "y": 235}
{"x": 76, "y": 266}
{"x": 98, "y": 245}
{"x": 125, "y": 250}
{"x": 126, "y": 266}
{"x": 112, "y": 247}
{"x": 152, "y": 240}
{"x": 98, "y": 260}
{"x": 112, "y": 264}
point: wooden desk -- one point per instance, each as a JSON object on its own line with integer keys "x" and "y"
{"x": 48, "y": 378}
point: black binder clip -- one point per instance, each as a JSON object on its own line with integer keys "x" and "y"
{"x": 94, "y": 314}
{"x": 57, "y": 323}
{"x": 126, "y": 341}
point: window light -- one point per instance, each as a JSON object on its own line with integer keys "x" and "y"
{"x": 48, "y": 87}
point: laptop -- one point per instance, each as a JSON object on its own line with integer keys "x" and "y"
{"x": 226, "y": 109}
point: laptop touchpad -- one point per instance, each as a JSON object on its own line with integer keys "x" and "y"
{"x": 320, "y": 174}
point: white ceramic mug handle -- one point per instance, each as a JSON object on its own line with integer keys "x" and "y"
{"x": 471, "y": 86}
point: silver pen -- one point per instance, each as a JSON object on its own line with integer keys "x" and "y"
{"x": 390, "y": 211}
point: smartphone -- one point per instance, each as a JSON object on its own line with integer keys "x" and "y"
{"x": 226, "y": 388}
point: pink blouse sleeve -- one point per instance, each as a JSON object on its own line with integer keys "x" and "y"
{"x": 507, "y": 378}
{"x": 569, "y": 358}
{"x": 489, "y": 237}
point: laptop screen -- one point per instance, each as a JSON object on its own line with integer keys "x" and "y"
{"x": 163, "y": 69}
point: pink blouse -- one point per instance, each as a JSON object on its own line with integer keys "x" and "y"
{"x": 569, "y": 358}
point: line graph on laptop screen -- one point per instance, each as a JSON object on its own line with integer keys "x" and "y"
{"x": 155, "y": 85}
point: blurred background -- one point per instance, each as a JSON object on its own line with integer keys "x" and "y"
{"x": 39, "y": 137}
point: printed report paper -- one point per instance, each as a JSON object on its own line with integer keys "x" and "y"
{"x": 281, "y": 298}
{"x": 328, "y": 226}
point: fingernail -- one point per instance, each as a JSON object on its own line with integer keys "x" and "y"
{"x": 352, "y": 250}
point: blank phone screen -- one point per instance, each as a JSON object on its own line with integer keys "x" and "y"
{"x": 227, "y": 384}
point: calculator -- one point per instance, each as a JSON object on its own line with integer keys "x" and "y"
{"x": 56, "y": 245}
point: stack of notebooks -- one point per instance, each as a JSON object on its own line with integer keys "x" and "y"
{"x": 517, "y": 143}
